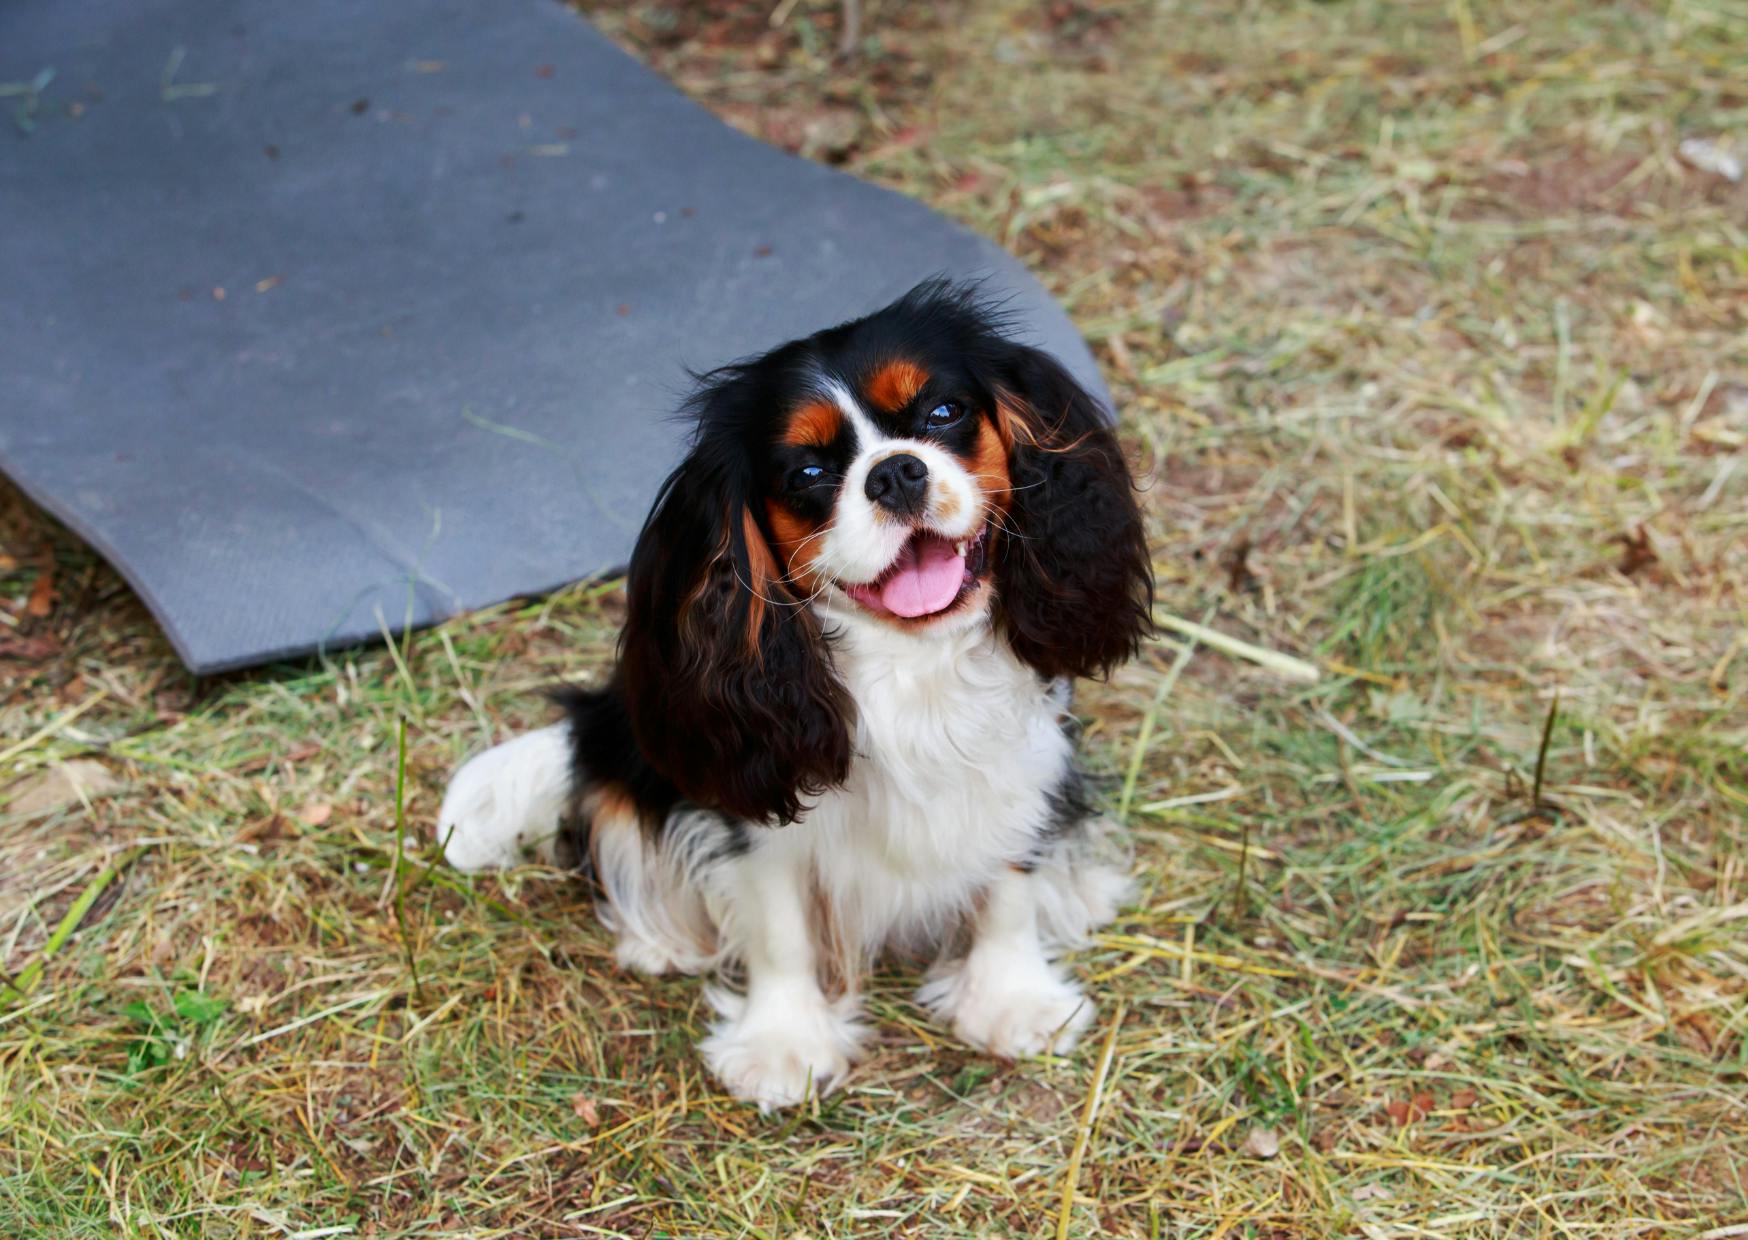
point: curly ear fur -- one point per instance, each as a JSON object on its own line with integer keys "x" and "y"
{"x": 1074, "y": 578}
{"x": 727, "y": 679}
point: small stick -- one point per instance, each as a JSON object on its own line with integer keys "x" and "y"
{"x": 1276, "y": 662}
{"x": 851, "y": 35}
{"x": 1071, "y": 1177}
{"x": 54, "y": 725}
{"x": 1542, "y": 753}
{"x": 1240, "y": 902}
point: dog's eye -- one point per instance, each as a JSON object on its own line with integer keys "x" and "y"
{"x": 806, "y": 476}
{"x": 943, "y": 415}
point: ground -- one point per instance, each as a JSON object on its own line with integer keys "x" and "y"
{"x": 1432, "y": 349}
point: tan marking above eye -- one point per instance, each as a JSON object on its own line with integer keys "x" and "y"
{"x": 895, "y": 384}
{"x": 814, "y": 425}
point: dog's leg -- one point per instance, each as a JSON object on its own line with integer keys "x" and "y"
{"x": 655, "y": 888}
{"x": 1006, "y": 995}
{"x": 783, "y": 1038}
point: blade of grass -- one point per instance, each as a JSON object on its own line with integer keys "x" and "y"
{"x": 32, "y": 972}
{"x": 1094, "y": 1095}
{"x": 401, "y": 927}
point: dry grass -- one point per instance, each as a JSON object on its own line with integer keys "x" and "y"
{"x": 1439, "y": 356}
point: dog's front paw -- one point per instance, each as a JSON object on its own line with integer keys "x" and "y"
{"x": 1013, "y": 1013}
{"x": 777, "y": 1058}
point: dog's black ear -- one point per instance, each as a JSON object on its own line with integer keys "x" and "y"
{"x": 1074, "y": 578}
{"x": 726, "y": 675}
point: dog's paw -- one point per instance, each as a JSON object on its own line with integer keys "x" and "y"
{"x": 640, "y": 955}
{"x": 777, "y": 1058}
{"x": 1013, "y": 1013}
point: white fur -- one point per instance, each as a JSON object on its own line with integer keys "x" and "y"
{"x": 505, "y": 804}
{"x": 657, "y": 898}
{"x": 783, "y": 1039}
{"x": 1005, "y": 995}
{"x": 838, "y": 392}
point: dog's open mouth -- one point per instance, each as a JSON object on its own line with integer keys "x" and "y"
{"x": 930, "y": 574}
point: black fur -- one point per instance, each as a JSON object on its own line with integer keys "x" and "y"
{"x": 1071, "y": 805}
{"x": 603, "y": 745}
{"x": 724, "y": 675}
{"x": 1074, "y": 578}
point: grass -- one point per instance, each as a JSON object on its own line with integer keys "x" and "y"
{"x": 1436, "y": 357}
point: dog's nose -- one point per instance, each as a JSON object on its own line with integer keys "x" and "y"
{"x": 899, "y": 483}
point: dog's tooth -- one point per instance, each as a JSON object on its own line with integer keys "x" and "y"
{"x": 960, "y": 547}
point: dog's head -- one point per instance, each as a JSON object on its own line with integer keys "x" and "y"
{"x": 914, "y": 470}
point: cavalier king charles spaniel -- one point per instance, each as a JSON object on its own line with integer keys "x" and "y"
{"x": 840, "y": 719}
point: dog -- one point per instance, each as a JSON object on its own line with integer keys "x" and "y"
{"x": 839, "y": 723}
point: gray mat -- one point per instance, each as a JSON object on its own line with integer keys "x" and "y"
{"x": 466, "y": 251}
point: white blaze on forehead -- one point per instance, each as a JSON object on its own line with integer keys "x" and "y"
{"x": 867, "y": 434}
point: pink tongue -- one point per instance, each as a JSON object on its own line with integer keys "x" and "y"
{"x": 926, "y": 579}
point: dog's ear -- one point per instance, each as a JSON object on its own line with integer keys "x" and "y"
{"x": 727, "y": 678}
{"x": 1074, "y": 578}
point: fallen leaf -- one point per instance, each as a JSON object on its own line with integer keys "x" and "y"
{"x": 316, "y": 815}
{"x": 1397, "y": 1110}
{"x": 65, "y": 783}
{"x": 1463, "y": 1099}
{"x": 1371, "y": 1192}
{"x": 1262, "y": 1143}
{"x": 583, "y": 1107}
{"x": 1422, "y": 1104}
{"x": 1636, "y": 551}
{"x": 42, "y": 593}
{"x": 273, "y": 827}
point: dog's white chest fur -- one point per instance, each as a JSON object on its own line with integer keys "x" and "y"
{"x": 957, "y": 747}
